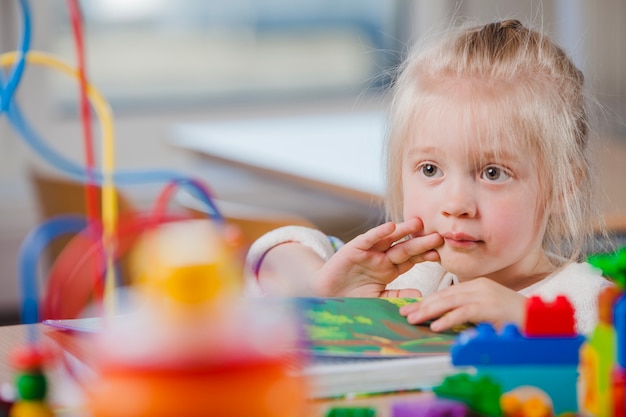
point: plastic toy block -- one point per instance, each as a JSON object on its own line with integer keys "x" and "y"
{"x": 555, "y": 319}
{"x": 351, "y": 412}
{"x": 591, "y": 399}
{"x": 619, "y": 318}
{"x": 597, "y": 358}
{"x": 483, "y": 346}
{"x": 606, "y": 304}
{"x": 534, "y": 406}
{"x": 613, "y": 265}
{"x": 480, "y": 393}
{"x": 618, "y": 379}
{"x": 429, "y": 407}
{"x": 559, "y": 382}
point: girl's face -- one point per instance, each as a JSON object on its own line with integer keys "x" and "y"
{"x": 481, "y": 196}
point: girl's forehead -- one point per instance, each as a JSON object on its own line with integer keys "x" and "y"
{"x": 474, "y": 125}
{"x": 473, "y": 139}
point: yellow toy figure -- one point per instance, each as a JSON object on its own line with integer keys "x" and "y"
{"x": 31, "y": 384}
{"x": 192, "y": 349}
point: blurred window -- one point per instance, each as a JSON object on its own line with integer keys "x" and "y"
{"x": 163, "y": 52}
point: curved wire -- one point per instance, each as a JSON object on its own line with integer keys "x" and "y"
{"x": 17, "y": 70}
{"x": 91, "y": 197}
{"x": 29, "y": 253}
{"x": 194, "y": 187}
{"x": 71, "y": 168}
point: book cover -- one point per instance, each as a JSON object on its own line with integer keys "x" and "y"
{"x": 367, "y": 327}
{"x": 364, "y": 346}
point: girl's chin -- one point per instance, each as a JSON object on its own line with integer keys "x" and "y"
{"x": 463, "y": 270}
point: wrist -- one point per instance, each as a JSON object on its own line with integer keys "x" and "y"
{"x": 312, "y": 239}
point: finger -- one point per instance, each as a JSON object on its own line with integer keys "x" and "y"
{"x": 401, "y": 231}
{"x": 456, "y": 317}
{"x": 436, "y": 305}
{"x": 415, "y": 249}
{"x": 409, "y": 309}
{"x": 428, "y": 256}
{"x": 374, "y": 236}
{"x": 403, "y": 293}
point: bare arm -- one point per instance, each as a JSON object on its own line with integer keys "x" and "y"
{"x": 288, "y": 269}
{"x": 361, "y": 268}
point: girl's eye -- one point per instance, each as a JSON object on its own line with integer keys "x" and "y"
{"x": 430, "y": 170}
{"x": 495, "y": 174}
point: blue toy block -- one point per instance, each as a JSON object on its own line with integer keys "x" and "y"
{"x": 559, "y": 382}
{"x": 619, "y": 320}
{"x": 483, "y": 346}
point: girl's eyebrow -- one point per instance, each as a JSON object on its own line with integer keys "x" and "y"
{"x": 493, "y": 155}
{"x": 419, "y": 150}
{"x": 500, "y": 155}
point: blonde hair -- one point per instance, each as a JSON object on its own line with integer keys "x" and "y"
{"x": 530, "y": 93}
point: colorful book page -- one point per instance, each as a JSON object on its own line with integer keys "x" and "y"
{"x": 368, "y": 327}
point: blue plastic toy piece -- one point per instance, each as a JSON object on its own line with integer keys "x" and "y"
{"x": 483, "y": 346}
{"x": 619, "y": 323}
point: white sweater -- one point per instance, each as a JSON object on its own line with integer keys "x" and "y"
{"x": 579, "y": 282}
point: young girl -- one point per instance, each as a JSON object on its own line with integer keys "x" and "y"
{"x": 488, "y": 191}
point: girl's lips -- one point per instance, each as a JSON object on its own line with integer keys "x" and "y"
{"x": 460, "y": 240}
{"x": 460, "y": 237}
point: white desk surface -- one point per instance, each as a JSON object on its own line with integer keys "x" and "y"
{"x": 343, "y": 152}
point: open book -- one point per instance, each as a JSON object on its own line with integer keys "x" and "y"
{"x": 364, "y": 346}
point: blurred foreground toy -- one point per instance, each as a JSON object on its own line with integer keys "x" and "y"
{"x": 192, "y": 348}
{"x": 480, "y": 393}
{"x": 603, "y": 356}
{"x": 547, "y": 358}
{"x": 351, "y": 412}
{"x": 526, "y": 401}
{"x": 427, "y": 406}
{"x": 31, "y": 383}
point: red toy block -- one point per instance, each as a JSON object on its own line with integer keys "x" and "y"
{"x": 618, "y": 381}
{"x": 555, "y": 319}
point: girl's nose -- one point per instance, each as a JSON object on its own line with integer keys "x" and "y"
{"x": 459, "y": 200}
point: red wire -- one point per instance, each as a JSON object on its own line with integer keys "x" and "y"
{"x": 68, "y": 289}
{"x": 91, "y": 190}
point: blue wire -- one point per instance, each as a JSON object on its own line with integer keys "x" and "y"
{"x": 200, "y": 191}
{"x": 49, "y": 154}
{"x": 28, "y": 257}
{"x": 18, "y": 68}
{"x": 38, "y": 239}
{"x": 73, "y": 169}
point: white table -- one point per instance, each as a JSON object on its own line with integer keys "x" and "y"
{"x": 337, "y": 152}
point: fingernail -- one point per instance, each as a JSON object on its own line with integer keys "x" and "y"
{"x": 414, "y": 318}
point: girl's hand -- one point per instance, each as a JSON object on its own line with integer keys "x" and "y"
{"x": 364, "y": 266}
{"x": 475, "y": 301}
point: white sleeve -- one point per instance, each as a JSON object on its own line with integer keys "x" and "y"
{"x": 322, "y": 245}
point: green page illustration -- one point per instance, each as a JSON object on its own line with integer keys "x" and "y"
{"x": 367, "y": 327}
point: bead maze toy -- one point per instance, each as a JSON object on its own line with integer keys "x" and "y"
{"x": 187, "y": 346}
